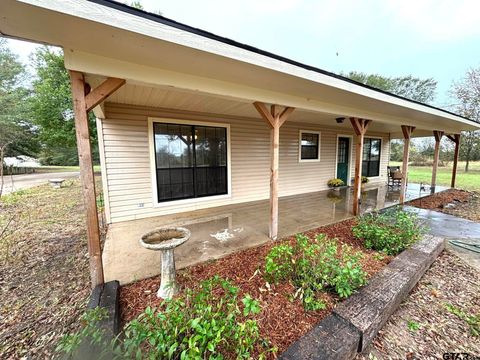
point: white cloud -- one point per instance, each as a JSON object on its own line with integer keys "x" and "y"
{"x": 435, "y": 20}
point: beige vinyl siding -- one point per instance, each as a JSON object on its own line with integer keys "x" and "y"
{"x": 128, "y": 189}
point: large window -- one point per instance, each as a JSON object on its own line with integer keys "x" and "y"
{"x": 190, "y": 160}
{"x": 309, "y": 146}
{"x": 371, "y": 157}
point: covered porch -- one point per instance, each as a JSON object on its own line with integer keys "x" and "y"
{"x": 133, "y": 69}
{"x": 219, "y": 231}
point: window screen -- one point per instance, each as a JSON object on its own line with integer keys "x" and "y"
{"x": 309, "y": 146}
{"x": 371, "y": 157}
{"x": 191, "y": 161}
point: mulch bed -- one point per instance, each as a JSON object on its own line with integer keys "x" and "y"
{"x": 439, "y": 200}
{"x": 281, "y": 320}
{"x": 461, "y": 203}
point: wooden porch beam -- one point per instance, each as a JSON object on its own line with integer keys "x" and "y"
{"x": 83, "y": 101}
{"x": 456, "y": 140}
{"x": 407, "y": 134}
{"x": 438, "y": 138}
{"x": 264, "y": 113}
{"x": 102, "y": 91}
{"x": 360, "y": 127}
{"x": 275, "y": 120}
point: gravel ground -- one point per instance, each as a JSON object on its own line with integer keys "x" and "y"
{"x": 423, "y": 327}
{"x": 44, "y": 277}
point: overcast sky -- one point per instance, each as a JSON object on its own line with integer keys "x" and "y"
{"x": 424, "y": 38}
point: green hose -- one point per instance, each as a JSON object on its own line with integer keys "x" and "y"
{"x": 470, "y": 247}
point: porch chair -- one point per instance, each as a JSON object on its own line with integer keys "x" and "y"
{"x": 394, "y": 176}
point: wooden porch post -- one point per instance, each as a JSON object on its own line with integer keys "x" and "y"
{"x": 407, "y": 134}
{"x": 360, "y": 127}
{"x": 82, "y": 103}
{"x": 275, "y": 120}
{"x": 456, "y": 139}
{"x": 438, "y": 137}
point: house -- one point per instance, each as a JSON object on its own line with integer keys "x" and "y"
{"x": 188, "y": 120}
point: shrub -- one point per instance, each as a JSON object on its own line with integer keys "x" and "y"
{"x": 390, "y": 232}
{"x": 313, "y": 266}
{"x": 333, "y": 183}
{"x": 204, "y": 323}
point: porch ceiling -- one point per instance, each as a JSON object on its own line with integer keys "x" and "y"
{"x": 195, "y": 101}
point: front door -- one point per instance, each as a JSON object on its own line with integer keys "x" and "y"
{"x": 343, "y": 159}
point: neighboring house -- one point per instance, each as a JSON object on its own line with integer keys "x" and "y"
{"x": 185, "y": 119}
{"x": 21, "y": 161}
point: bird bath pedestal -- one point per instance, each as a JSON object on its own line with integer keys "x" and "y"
{"x": 166, "y": 240}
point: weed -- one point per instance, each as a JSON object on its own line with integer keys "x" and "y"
{"x": 473, "y": 320}
{"x": 413, "y": 325}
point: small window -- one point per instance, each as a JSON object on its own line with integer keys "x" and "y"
{"x": 309, "y": 146}
{"x": 371, "y": 157}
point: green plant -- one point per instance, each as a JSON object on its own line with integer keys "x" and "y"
{"x": 202, "y": 323}
{"x": 390, "y": 232}
{"x": 90, "y": 332}
{"x": 365, "y": 180}
{"x": 278, "y": 263}
{"x": 313, "y": 266}
{"x": 413, "y": 325}
{"x": 333, "y": 183}
{"x": 473, "y": 321}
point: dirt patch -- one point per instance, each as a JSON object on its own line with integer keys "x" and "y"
{"x": 44, "y": 273}
{"x": 423, "y": 327}
{"x": 282, "y": 320}
{"x": 465, "y": 204}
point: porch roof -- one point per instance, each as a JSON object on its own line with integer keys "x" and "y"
{"x": 103, "y": 38}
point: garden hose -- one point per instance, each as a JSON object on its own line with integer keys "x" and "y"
{"x": 467, "y": 246}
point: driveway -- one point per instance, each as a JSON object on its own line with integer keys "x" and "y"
{"x": 453, "y": 228}
{"x": 26, "y": 181}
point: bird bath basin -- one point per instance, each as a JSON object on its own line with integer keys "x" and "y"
{"x": 166, "y": 240}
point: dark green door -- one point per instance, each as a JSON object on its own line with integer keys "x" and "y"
{"x": 342, "y": 162}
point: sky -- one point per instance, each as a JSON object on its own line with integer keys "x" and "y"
{"x": 423, "y": 38}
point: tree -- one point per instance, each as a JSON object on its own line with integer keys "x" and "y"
{"x": 136, "y": 4}
{"x": 421, "y": 90}
{"x": 52, "y": 110}
{"x": 17, "y": 134}
{"x": 396, "y": 150}
{"x": 467, "y": 94}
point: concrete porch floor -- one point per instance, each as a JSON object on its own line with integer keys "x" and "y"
{"x": 219, "y": 231}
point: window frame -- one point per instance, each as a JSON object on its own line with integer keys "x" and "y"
{"x": 300, "y": 134}
{"x": 379, "y": 157}
{"x": 153, "y": 168}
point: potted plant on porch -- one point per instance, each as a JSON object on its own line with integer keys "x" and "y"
{"x": 335, "y": 184}
{"x": 364, "y": 181}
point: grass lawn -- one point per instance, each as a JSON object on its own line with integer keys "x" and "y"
{"x": 54, "y": 169}
{"x": 466, "y": 181}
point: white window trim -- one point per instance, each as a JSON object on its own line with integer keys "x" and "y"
{"x": 300, "y": 133}
{"x": 350, "y": 157}
{"x": 153, "y": 170}
{"x": 379, "y": 177}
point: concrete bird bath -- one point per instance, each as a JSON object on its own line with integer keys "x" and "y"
{"x": 166, "y": 240}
